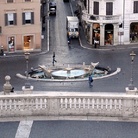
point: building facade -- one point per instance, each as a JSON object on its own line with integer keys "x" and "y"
{"x": 20, "y": 25}
{"x": 110, "y": 22}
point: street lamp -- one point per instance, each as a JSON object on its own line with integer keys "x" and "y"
{"x": 27, "y": 54}
{"x": 132, "y": 55}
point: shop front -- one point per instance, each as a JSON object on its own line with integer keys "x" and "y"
{"x": 96, "y": 33}
{"x": 28, "y": 42}
{"x": 134, "y": 32}
{"x": 18, "y": 43}
{"x": 109, "y": 31}
{"x": 11, "y": 44}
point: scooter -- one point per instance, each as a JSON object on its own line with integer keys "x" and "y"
{"x": 69, "y": 40}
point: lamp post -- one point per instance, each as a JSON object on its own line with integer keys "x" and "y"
{"x": 27, "y": 54}
{"x": 132, "y": 55}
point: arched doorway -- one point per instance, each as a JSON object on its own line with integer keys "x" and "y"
{"x": 109, "y": 31}
{"x": 133, "y": 32}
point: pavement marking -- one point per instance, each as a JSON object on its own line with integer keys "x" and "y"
{"x": 24, "y": 129}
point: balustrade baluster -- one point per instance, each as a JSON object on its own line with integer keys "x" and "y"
{"x": 61, "y": 103}
{"x": 102, "y": 103}
{"x": 70, "y": 103}
{"x": 120, "y": 104}
{"x": 88, "y": 103}
{"x": 66, "y": 103}
{"x": 84, "y": 102}
{"x": 74, "y": 101}
{"x": 79, "y": 102}
{"x": 93, "y": 103}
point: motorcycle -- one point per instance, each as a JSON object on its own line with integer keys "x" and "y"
{"x": 69, "y": 40}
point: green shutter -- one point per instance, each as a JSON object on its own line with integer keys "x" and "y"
{"x": 32, "y": 17}
{"x": 23, "y": 18}
{"x": 6, "y": 19}
{"x": 15, "y": 18}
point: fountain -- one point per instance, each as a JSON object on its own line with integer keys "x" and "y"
{"x": 70, "y": 72}
{"x": 47, "y": 72}
{"x": 68, "y": 69}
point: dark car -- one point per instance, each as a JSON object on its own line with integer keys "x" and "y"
{"x": 52, "y": 8}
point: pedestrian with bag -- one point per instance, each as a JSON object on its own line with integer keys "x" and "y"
{"x": 90, "y": 80}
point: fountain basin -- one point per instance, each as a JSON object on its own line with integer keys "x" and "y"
{"x": 74, "y": 73}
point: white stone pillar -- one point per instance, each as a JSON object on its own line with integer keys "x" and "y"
{"x": 27, "y": 90}
{"x": 91, "y": 34}
{"x": 128, "y": 108}
{"x": 116, "y": 36}
{"x": 134, "y": 91}
{"x": 7, "y": 87}
{"x": 102, "y": 27}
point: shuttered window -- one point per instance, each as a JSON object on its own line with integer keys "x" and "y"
{"x": 9, "y": 1}
{"x": 96, "y": 8}
{"x": 109, "y": 8}
{"x": 27, "y": 0}
{"x": 10, "y": 19}
{"x": 135, "y": 8}
{"x": 28, "y": 18}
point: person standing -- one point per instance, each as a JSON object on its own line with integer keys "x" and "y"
{"x": 1, "y": 51}
{"x": 90, "y": 80}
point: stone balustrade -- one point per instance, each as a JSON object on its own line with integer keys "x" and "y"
{"x": 69, "y": 104}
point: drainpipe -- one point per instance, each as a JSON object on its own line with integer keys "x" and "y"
{"x": 123, "y": 13}
{"x": 88, "y": 6}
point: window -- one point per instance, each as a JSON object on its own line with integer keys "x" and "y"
{"x": 109, "y": 8}
{"x": 9, "y": 1}
{"x": 135, "y": 8}
{"x": 28, "y": 17}
{"x": 96, "y": 8}
{"x": 27, "y": 0}
{"x": 10, "y": 19}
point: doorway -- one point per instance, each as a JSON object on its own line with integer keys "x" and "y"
{"x": 28, "y": 42}
{"x": 109, "y": 34}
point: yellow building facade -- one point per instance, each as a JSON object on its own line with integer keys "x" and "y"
{"x": 20, "y": 25}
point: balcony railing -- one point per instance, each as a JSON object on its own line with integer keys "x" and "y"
{"x": 69, "y": 104}
{"x": 101, "y": 18}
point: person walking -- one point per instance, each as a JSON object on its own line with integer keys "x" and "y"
{"x": 90, "y": 80}
{"x": 54, "y": 60}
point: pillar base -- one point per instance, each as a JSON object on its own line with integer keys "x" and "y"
{"x": 27, "y": 90}
{"x": 134, "y": 91}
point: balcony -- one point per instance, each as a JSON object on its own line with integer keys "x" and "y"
{"x": 100, "y": 18}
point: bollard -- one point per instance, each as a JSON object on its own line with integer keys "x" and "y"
{"x": 7, "y": 87}
{"x": 133, "y": 92}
